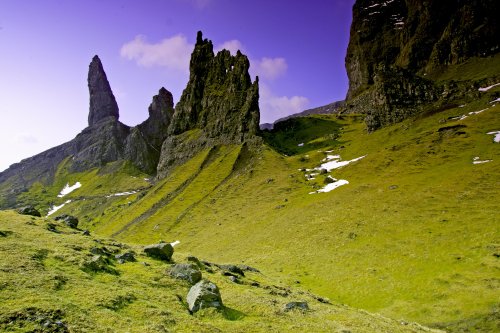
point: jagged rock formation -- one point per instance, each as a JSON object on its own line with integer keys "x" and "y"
{"x": 220, "y": 97}
{"x": 102, "y": 101}
{"x": 394, "y": 44}
{"x": 220, "y": 105}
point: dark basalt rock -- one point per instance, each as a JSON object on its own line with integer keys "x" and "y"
{"x": 143, "y": 145}
{"x": 395, "y": 44}
{"x": 102, "y": 101}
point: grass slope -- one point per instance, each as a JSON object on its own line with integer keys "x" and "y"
{"x": 413, "y": 236}
{"x": 43, "y": 288}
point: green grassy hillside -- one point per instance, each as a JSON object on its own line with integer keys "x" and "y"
{"x": 414, "y": 235}
{"x": 44, "y": 287}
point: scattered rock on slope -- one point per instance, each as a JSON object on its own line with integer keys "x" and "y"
{"x": 303, "y": 306}
{"x": 29, "y": 210}
{"x": 69, "y": 220}
{"x": 162, "y": 251}
{"x": 188, "y": 272}
{"x": 204, "y": 294}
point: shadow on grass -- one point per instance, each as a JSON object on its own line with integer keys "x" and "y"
{"x": 232, "y": 314}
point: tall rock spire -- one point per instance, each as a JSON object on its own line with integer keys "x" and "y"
{"x": 102, "y": 101}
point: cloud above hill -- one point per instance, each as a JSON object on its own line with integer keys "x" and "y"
{"x": 172, "y": 53}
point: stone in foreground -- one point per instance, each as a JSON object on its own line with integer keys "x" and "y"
{"x": 188, "y": 272}
{"x": 202, "y": 295}
{"x": 162, "y": 251}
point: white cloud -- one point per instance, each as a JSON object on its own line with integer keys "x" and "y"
{"x": 273, "y": 107}
{"x": 270, "y": 68}
{"x": 232, "y": 45}
{"x": 172, "y": 53}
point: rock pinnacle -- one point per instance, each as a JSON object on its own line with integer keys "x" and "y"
{"x": 102, "y": 101}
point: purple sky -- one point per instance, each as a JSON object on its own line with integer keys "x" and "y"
{"x": 296, "y": 47}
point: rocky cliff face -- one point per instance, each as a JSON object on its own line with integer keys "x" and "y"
{"x": 220, "y": 105}
{"x": 394, "y": 44}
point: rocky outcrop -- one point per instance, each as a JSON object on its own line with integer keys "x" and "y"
{"x": 394, "y": 44}
{"x": 102, "y": 101}
{"x": 220, "y": 105}
{"x": 143, "y": 145}
{"x": 220, "y": 97}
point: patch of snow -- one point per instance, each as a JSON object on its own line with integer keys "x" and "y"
{"x": 300, "y": 144}
{"x": 462, "y": 117}
{"x": 55, "y": 208}
{"x": 175, "y": 243}
{"x": 336, "y": 163}
{"x": 497, "y": 136}
{"x": 477, "y": 112}
{"x": 496, "y": 100}
{"x": 488, "y": 88}
{"x": 328, "y": 151}
{"x": 462, "y": 106}
{"x": 481, "y": 162}
{"x": 121, "y": 194}
{"x": 68, "y": 189}
{"x": 331, "y": 186}
{"x": 146, "y": 179}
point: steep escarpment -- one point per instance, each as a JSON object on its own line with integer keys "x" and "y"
{"x": 396, "y": 45}
{"x": 220, "y": 105}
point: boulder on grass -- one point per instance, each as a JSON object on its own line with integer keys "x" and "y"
{"x": 69, "y": 220}
{"x": 187, "y": 272}
{"x": 125, "y": 257}
{"x": 302, "y": 306}
{"x": 162, "y": 251}
{"x": 29, "y": 210}
{"x": 202, "y": 295}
